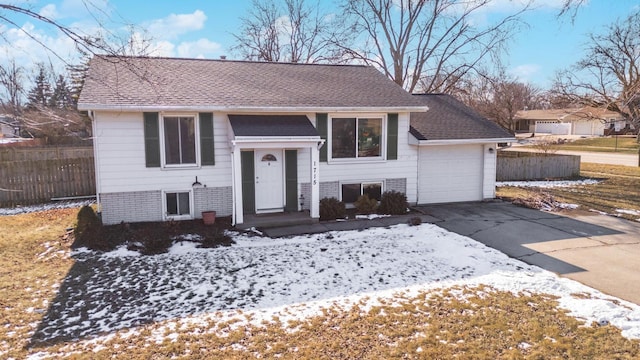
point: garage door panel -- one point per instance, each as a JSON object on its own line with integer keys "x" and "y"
{"x": 582, "y": 128}
{"x": 450, "y": 174}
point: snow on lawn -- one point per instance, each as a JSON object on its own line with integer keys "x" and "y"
{"x": 299, "y": 275}
{"x": 628, "y": 211}
{"x": 42, "y": 207}
{"x": 548, "y": 184}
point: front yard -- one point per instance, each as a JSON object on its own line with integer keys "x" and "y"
{"x": 401, "y": 292}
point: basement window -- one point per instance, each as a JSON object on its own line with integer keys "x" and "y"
{"x": 178, "y": 205}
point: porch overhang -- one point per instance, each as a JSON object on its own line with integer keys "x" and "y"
{"x": 273, "y": 132}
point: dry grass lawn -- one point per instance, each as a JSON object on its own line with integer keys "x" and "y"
{"x": 619, "y": 189}
{"x": 464, "y": 323}
{"x": 626, "y": 145}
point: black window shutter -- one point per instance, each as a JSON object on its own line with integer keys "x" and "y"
{"x": 392, "y": 136}
{"x": 291, "y": 180}
{"x": 151, "y": 139}
{"x": 248, "y": 182}
{"x": 321, "y": 126}
{"x": 207, "y": 149}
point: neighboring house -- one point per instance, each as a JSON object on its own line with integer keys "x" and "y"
{"x": 8, "y": 128}
{"x": 176, "y": 137}
{"x": 577, "y": 121}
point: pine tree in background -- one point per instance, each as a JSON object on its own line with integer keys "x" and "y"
{"x": 40, "y": 93}
{"x": 61, "y": 96}
{"x": 77, "y": 74}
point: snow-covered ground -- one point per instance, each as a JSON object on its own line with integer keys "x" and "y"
{"x": 296, "y": 277}
{"x": 548, "y": 184}
{"x": 43, "y": 207}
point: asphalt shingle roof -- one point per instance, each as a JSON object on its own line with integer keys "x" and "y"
{"x": 145, "y": 82}
{"x": 450, "y": 119}
{"x": 272, "y": 125}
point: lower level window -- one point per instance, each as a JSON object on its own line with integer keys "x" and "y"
{"x": 351, "y": 192}
{"x": 178, "y": 204}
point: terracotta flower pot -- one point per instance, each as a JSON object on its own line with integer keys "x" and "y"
{"x": 209, "y": 217}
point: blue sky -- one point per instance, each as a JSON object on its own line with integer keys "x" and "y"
{"x": 192, "y": 28}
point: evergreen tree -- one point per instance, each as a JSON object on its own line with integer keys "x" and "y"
{"x": 77, "y": 75}
{"x": 40, "y": 94}
{"x": 61, "y": 96}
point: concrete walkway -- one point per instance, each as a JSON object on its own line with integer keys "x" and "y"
{"x": 360, "y": 224}
{"x": 597, "y": 250}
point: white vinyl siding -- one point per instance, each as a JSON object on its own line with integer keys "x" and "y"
{"x": 119, "y": 140}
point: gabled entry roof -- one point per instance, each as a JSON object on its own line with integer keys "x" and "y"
{"x": 272, "y": 125}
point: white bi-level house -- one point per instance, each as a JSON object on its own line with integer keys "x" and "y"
{"x": 176, "y": 137}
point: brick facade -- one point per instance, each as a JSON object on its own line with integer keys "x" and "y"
{"x": 145, "y": 206}
{"x": 399, "y": 185}
{"x": 219, "y": 199}
{"x": 134, "y": 206}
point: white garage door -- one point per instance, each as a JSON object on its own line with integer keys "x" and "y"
{"x": 582, "y": 128}
{"x": 450, "y": 174}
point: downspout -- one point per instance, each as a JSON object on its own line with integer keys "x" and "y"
{"x": 233, "y": 188}
{"x": 96, "y": 159}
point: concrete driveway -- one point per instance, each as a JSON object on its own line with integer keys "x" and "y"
{"x": 597, "y": 250}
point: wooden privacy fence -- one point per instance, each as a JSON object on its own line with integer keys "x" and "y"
{"x": 36, "y": 175}
{"x": 513, "y": 166}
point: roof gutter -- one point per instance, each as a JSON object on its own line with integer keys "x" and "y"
{"x": 249, "y": 109}
{"x": 464, "y": 141}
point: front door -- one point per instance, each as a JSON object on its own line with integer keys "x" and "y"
{"x": 269, "y": 181}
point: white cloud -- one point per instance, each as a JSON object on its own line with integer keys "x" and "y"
{"x": 201, "y": 48}
{"x": 176, "y": 24}
{"x": 162, "y": 48}
{"x": 525, "y": 72}
{"x": 49, "y": 11}
{"x": 28, "y": 45}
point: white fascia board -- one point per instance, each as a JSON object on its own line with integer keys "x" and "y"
{"x": 248, "y": 109}
{"x": 245, "y": 142}
{"x": 240, "y": 139}
{"x": 464, "y": 141}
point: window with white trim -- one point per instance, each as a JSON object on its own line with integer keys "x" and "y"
{"x": 351, "y": 192}
{"x": 180, "y": 145}
{"x": 356, "y": 138}
{"x": 178, "y": 205}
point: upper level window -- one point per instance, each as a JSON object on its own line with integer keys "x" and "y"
{"x": 356, "y": 138}
{"x": 179, "y": 140}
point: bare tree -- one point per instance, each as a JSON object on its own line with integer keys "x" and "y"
{"x": 424, "y": 45}
{"x": 292, "y": 31}
{"x": 102, "y": 42}
{"x": 570, "y": 8}
{"x": 11, "y": 81}
{"x": 609, "y": 75}
{"x": 499, "y": 97}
